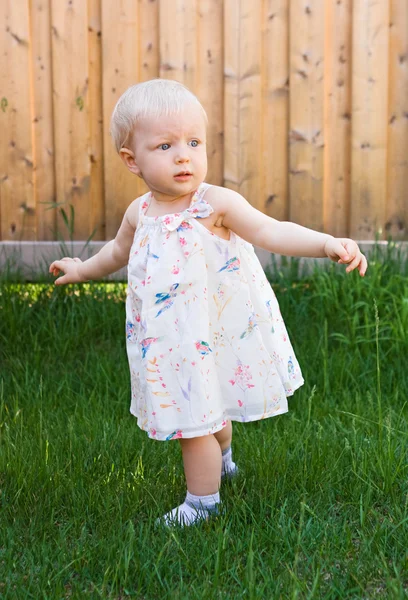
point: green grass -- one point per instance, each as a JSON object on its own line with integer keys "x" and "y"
{"x": 319, "y": 511}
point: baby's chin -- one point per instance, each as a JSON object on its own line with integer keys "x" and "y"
{"x": 175, "y": 187}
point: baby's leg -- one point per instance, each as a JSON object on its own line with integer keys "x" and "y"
{"x": 202, "y": 464}
{"x": 224, "y": 437}
{"x": 202, "y": 467}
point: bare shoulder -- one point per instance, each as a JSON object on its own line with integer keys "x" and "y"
{"x": 234, "y": 212}
{"x": 132, "y": 212}
{"x": 221, "y": 198}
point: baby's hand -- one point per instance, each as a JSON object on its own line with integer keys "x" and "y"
{"x": 346, "y": 251}
{"x": 71, "y": 269}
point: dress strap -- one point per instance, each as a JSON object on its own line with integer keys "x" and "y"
{"x": 202, "y": 190}
{"x": 205, "y": 207}
{"x": 143, "y": 206}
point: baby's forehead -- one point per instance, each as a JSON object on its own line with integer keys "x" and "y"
{"x": 177, "y": 123}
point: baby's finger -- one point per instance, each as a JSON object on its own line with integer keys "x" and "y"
{"x": 354, "y": 263}
{"x": 53, "y": 267}
{"x": 341, "y": 252}
{"x": 56, "y": 267}
{"x": 363, "y": 265}
{"x": 61, "y": 280}
{"x": 346, "y": 261}
{"x": 352, "y": 249}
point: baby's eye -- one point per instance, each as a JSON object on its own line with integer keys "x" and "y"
{"x": 194, "y": 143}
{"x": 164, "y": 146}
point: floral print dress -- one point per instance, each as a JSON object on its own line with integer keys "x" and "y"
{"x": 206, "y": 341}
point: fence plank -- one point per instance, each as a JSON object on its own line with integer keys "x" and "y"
{"x": 172, "y": 39}
{"x": 190, "y": 38}
{"x": 250, "y": 130}
{"x": 369, "y": 113}
{"x": 43, "y": 126}
{"x": 397, "y": 196}
{"x": 209, "y": 82}
{"x": 242, "y": 99}
{"x": 149, "y": 48}
{"x": 149, "y": 39}
{"x": 71, "y": 114}
{"x": 306, "y": 113}
{"x": 275, "y": 112}
{"x": 17, "y": 202}
{"x": 232, "y": 18}
{"x": 96, "y": 190}
{"x": 120, "y": 59}
{"x": 337, "y": 118}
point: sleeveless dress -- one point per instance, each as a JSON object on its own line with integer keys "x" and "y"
{"x": 205, "y": 338}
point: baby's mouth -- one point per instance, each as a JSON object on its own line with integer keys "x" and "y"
{"x": 183, "y": 175}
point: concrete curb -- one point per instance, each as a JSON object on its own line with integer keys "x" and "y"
{"x": 32, "y": 259}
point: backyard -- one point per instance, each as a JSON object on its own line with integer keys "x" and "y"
{"x": 319, "y": 510}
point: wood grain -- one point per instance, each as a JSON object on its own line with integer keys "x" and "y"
{"x": 17, "y": 202}
{"x": 306, "y": 100}
{"x": 306, "y": 135}
{"x": 337, "y": 117}
{"x": 369, "y": 114}
{"x": 396, "y": 218}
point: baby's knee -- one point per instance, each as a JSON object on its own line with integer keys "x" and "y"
{"x": 197, "y": 442}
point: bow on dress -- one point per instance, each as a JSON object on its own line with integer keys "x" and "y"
{"x": 198, "y": 210}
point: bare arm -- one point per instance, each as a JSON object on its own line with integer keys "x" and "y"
{"x": 112, "y": 257}
{"x": 105, "y": 262}
{"x": 284, "y": 237}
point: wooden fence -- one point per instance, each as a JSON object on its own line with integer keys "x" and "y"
{"x": 307, "y": 102}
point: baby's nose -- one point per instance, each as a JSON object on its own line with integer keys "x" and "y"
{"x": 182, "y": 158}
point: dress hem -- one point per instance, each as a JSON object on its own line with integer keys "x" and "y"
{"x": 225, "y": 417}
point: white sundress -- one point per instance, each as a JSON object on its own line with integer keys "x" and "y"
{"x": 206, "y": 341}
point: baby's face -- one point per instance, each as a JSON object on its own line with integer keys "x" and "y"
{"x": 170, "y": 152}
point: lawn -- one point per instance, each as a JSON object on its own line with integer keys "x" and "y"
{"x": 320, "y": 509}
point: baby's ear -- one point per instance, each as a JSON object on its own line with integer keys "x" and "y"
{"x": 129, "y": 159}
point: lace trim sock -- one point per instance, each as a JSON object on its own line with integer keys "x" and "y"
{"x": 229, "y": 468}
{"x": 193, "y": 510}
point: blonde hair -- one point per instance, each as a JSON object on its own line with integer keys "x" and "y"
{"x": 151, "y": 98}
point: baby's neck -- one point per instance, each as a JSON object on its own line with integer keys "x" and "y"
{"x": 158, "y": 208}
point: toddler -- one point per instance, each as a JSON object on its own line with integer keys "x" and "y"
{"x": 206, "y": 342}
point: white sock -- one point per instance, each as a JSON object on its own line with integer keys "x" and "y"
{"x": 228, "y": 466}
{"x": 193, "y": 509}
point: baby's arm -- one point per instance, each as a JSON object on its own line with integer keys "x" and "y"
{"x": 282, "y": 237}
{"x": 112, "y": 257}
